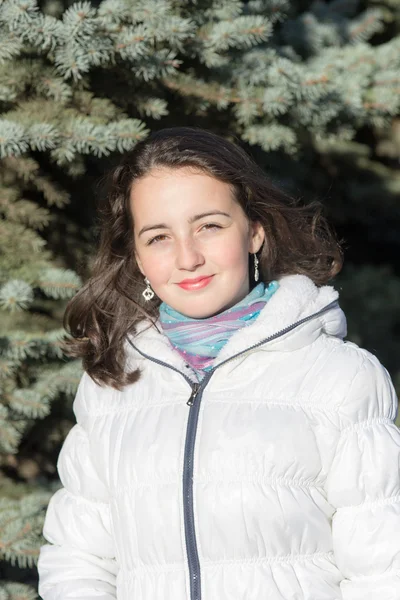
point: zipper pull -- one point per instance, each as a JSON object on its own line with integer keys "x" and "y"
{"x": 193, "y": 395}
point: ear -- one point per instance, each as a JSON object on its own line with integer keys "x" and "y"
{"x": 139, "y": 264}
{"x": 256, "y": 236}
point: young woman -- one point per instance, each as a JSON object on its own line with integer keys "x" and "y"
{"x": 229, "y": 444}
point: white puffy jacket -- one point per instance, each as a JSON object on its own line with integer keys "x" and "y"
{"x": 277, "y": 478}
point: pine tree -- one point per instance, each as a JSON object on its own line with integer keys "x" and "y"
{"x": 311, "y": 89}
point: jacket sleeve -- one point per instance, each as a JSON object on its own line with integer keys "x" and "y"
{"x": 79, "y": 560}
{"x": 363, "y": 485}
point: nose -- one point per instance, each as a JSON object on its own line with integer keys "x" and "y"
{"x": 188, "y": 256}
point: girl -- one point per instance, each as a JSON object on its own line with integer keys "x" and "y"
{"x": 229, "y": 444}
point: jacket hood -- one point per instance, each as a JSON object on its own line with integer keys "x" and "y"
{"x": 296, "y": 299}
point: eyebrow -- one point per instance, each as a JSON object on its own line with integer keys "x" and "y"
{"x": 190, "y": 221}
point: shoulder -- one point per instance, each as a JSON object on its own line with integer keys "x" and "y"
{"x": 92, "y": 399}
{"x": 365, "y": 387}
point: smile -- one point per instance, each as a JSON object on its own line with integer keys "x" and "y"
{"x": 196, "y": 284}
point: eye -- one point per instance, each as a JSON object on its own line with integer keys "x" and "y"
{"x": 212, "y": 226}
{"x": 155, "y": 239}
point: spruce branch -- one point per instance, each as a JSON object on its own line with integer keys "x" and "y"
{"x": 152, "y": 12}
{"x": 25, "y": 212}
{"x": 53, "y": 194}
{"x": 15, "y": 295}
{"x": 79, "y": 21}
{"x": 214, "y": 93}
{"x": 18, "y": 13}
{"x": 364, "y": 27}
{"x": 160, "y": 65}
{"x": 8, "y": 368}
{"x": 10, "y": 432}
{"x": 276, "y": 102}
{"x": 152, "y": 107}
{"x": 112, "y": 13}
{"x": 84, "y": 137}
{"x": 10, "y": 44}
{"x": 53, "y": 340}
{"x": 224, "y": 11}
{"x": 13, "y": 140}
{"x": 133, "y": 42}
{"x": 27, "y": 170}
{"x": 22, "y": 345}
{"x": 242, "y": 32}
{"x": 275, "y": 10}
{"x": 53, "y": 87}
{"x": 17, "y": 591}
{"x": 72, "y": 61}
{"x": 29, "y": 403}
{"x": 58, "y": 283}
{"x": 60, "y": 379}
{"x": 22, "y": 249}
{"x": 43, "y": 32}
{"x": 21, "y": 524}
{"x": 24, "y": 168}
{"x": 43, "y": 136}
{"x": 271, "y": 137}
{"x": 175, "y": 30}
{"x": 13, "y": 77}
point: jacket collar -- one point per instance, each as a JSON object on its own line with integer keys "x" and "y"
{"x": 296, "y": 299}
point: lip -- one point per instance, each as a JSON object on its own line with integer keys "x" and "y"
{"x": 195, "y": 284}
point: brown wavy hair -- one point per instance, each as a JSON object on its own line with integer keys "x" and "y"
{"x": 110, "y": 304}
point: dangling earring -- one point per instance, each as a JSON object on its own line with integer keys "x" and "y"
{"x": 256, "y": 273}
{"x": 148, "y": 293}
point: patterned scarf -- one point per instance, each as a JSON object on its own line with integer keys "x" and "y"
{"x": 200, "y": 340}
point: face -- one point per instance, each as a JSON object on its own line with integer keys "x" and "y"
{"x": 174, "y": 243}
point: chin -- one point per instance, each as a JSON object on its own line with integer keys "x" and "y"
{"x": 202, "y": 313}
{"x": 197, "y": 315}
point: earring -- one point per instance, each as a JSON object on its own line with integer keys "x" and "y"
{"x": 148, "y": 293}
{"x": 256, "y": 272}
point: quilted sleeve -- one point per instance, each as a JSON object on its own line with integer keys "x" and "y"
{"x": 79, "y": 560}
{"x": 363, "y": 485}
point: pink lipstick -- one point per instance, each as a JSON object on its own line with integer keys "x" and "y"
{"x": 195, "y": 284}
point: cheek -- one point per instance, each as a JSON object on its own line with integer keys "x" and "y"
{"x": 158, "y": 266}
{"x": 231, "y": 253}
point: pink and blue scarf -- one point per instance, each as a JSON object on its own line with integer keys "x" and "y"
{"x": 200, "y": 340}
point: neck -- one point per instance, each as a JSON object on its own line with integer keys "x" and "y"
{"x": 199, "y": 340}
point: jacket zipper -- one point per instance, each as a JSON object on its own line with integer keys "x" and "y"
{"x": 188, "y": 511}
{"x": 194, "y": 403}
{"x": 195, "y": 390}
